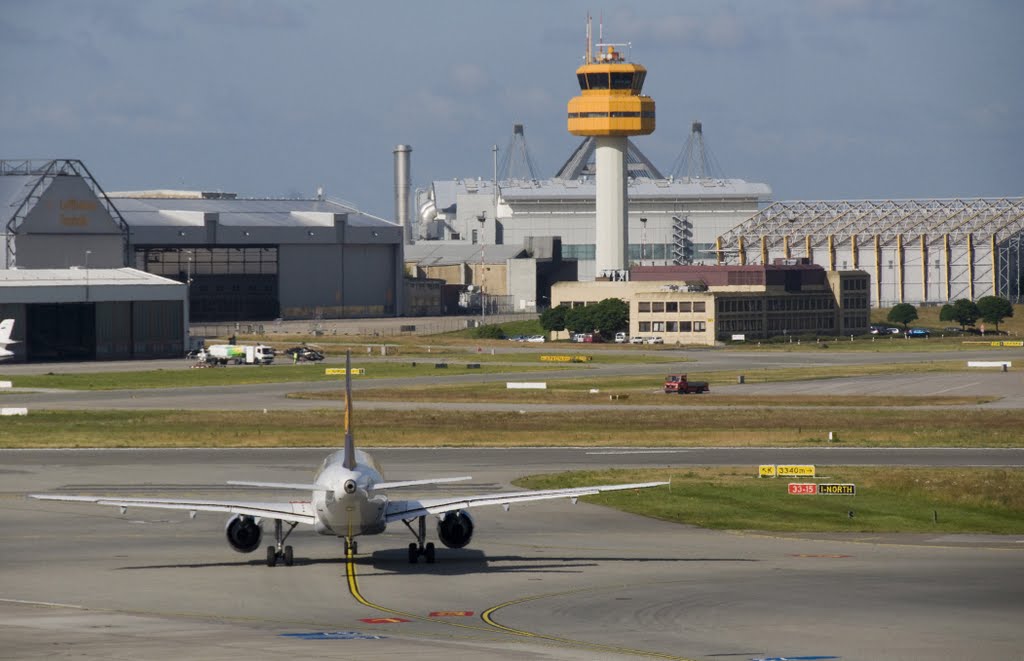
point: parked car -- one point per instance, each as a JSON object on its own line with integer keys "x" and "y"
{"x": 621, "y": 338}
{"x": 655, "y": 340}
{"x": 918, "y": 332}
{"x": 536, "y": 338}
{"x": 636, "y": 339}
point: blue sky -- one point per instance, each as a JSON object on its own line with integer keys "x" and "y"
{"x": 821, "y": 99}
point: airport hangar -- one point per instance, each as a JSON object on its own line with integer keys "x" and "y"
{"x": 202, "y": 257}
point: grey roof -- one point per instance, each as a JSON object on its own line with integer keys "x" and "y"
{"x": 437, "y": 253}
{"x": 636, "y": 189}
{"x": 76, "y": 277}
{"x": 173, "y": 212}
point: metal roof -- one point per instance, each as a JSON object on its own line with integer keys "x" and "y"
{"x": 435, "y": 253}
{"x": 173, "y": 212}
{"x": 78, "y": 276}
{"x": 842, "y": 219}
{"x": 636, "y": 189}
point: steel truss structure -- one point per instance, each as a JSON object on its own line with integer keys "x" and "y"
{"x": 42, "y": 173}
{"x": 917, "y": 251}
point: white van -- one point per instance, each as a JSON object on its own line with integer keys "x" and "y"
{"x": 621, "y": 338}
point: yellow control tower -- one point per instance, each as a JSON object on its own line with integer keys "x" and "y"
{"x": 610, "y": 108}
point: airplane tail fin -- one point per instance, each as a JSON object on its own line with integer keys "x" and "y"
{"x": 6, "y": 328}
{"x": 350, "y": 444}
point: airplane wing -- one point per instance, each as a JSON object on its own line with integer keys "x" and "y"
{"x": 296, "y": 511}
{"x": 410, "y": 509}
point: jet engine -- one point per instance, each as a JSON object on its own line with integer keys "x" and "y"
{"x": 455, "y": 529}
{"x": 243, "y": 533}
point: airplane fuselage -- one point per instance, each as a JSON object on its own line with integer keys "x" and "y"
{"x": 348, "y": 506}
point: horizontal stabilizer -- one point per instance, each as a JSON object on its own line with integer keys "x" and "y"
{"x": 416, "y": 483}
{"x": 279, "y": 485}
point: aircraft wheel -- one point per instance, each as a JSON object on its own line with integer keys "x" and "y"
{"x": 271, "y": 556}
{"x": 355, "y": 547}
{"x": 430, "y": 553}
{"x": 289, "y": 559}
{"x": 414, "y": 553}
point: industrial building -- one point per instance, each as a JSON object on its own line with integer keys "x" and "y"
{"x": 706, "y": 304}
{"x": 917, "y": 251}
{"x": 240, "y": 258}
{"x": 672, "y": 220}
{"x": 93, "y": 314}
{"x": 88, "y": 274}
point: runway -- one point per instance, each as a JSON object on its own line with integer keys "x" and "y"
{"x": 542, "y": 581}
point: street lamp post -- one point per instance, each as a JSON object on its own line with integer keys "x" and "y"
{"x": 87, "y": 253}
{"x": 482, "y": 217}
{"x": 643, "y": 239}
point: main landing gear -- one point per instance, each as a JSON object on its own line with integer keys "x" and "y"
{"x": 352, "y": 546}
{"x": 280, "y": 551}
{"x": 418, "y": 548}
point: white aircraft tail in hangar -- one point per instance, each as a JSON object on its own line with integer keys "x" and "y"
{"x": 6, "y": 328}
{"x": 349, "y": 498}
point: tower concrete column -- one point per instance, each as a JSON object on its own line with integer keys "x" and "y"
{"x": 612, "y": 204}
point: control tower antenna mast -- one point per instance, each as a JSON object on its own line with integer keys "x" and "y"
{"x": 610, "y": 108}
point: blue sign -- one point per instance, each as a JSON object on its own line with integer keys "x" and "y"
{"x": 333, "y": 635}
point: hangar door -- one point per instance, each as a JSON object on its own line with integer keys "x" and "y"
{"x": 60, "y": 331}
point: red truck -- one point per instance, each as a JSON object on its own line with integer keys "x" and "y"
{"x": 678, "y": 383}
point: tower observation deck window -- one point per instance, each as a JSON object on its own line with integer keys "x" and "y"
{"x": 582, "y": 78}
{"x": 638, "y": 81}
{"x": 597, "y": 81}
{"x": 622, "y": 80}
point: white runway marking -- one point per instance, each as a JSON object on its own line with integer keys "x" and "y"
{"x": 41, "y": 603}
{"x": 966, "y": 385}
{"x": 639, "y": 452}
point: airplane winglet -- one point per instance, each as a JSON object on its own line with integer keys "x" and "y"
{"x": 350, "y": 444}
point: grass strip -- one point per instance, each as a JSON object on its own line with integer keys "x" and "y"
{"x": 428, "y": 427}
{"x": 932, "y": 500}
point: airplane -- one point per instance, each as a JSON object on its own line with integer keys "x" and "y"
{"x": 349, "y": 499}
{"x": 6, "y": 327}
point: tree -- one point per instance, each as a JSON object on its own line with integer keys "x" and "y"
{"x": 946, "y": 313}
{"x": 965, "y": 312}
{"x": 993, "y": 309}
{"x": 902, "y": 313}
{"x": 580, "y": 319}
{"x": 553, "y": 319}
{"x": 610, "y": 316}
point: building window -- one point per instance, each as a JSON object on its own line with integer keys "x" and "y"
{"x": 644, "y": 327}
{"x": 698, "y": 306}
{"x": 685, "y": 306}
{"x": 671, "y": 326}
{"x": 699, "y": 326}
{"x": 671, "y": 306}
{"x": 685, "y": 326}
{"x": 658, "y": 306}
{"x": 643, "y": 306}
{"x": 658, "y": 326}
